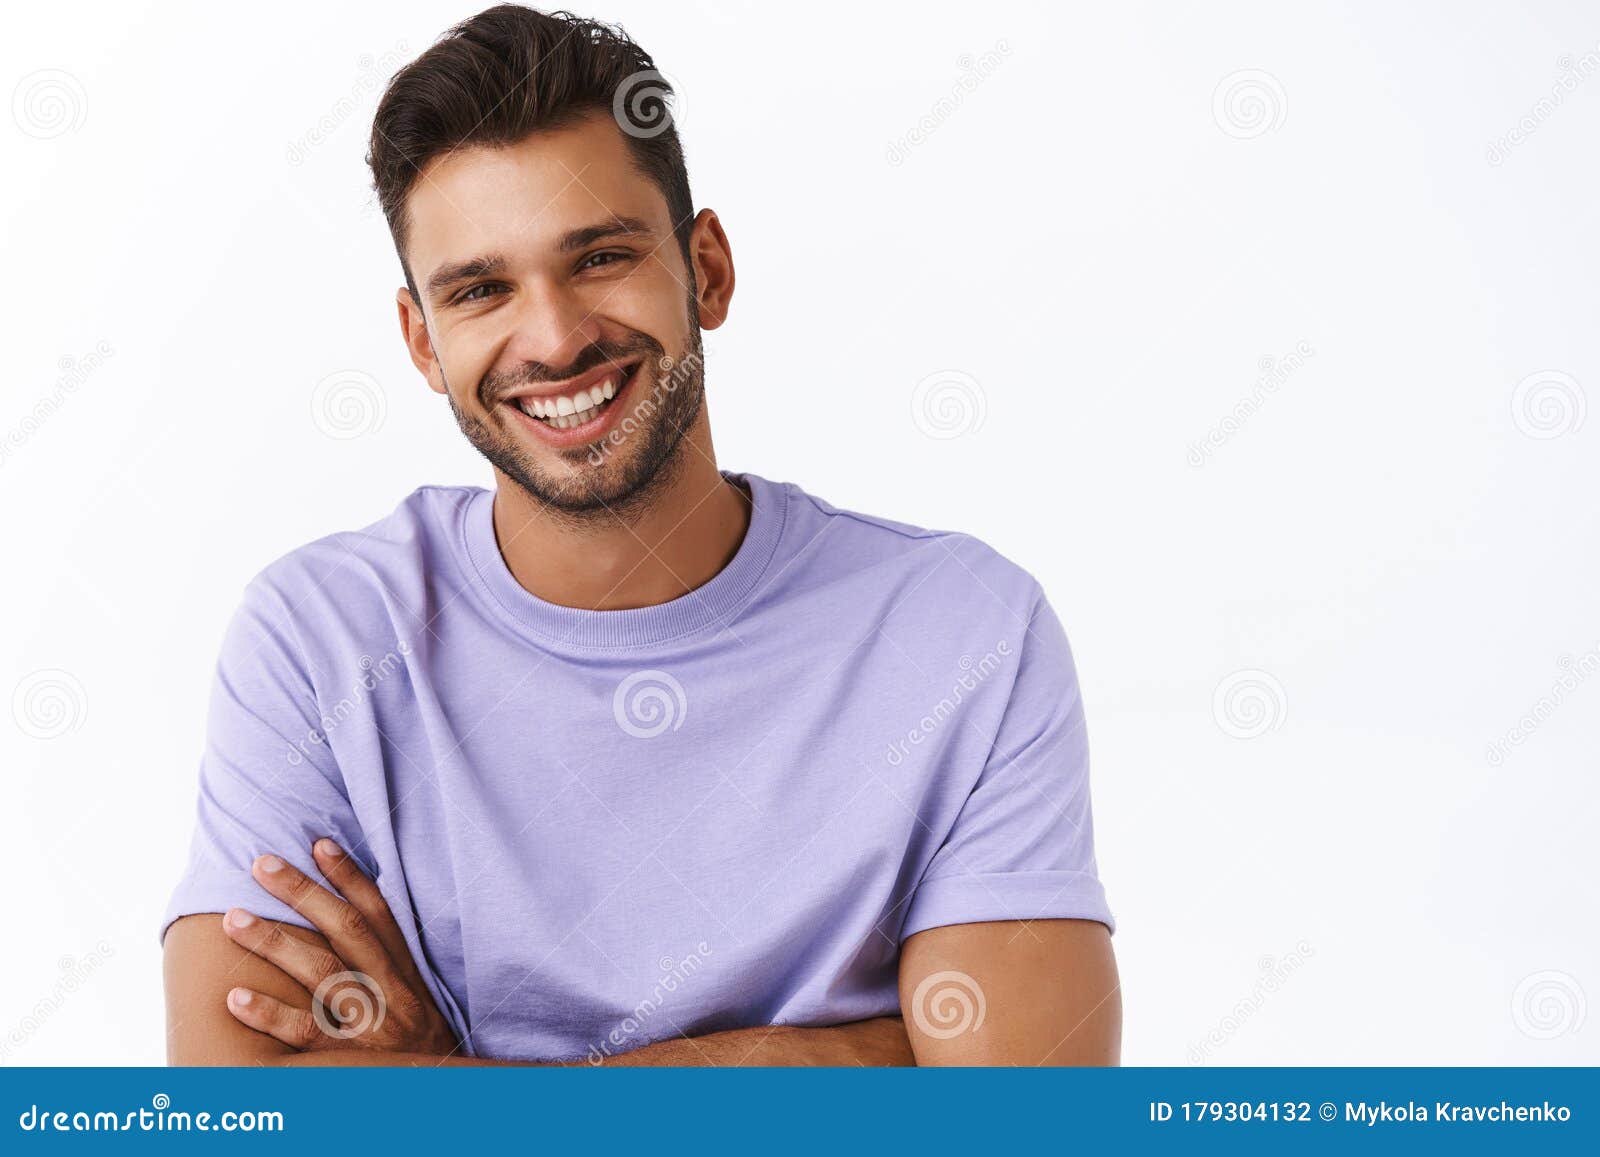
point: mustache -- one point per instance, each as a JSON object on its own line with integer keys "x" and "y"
{"x": 494, "y": 386}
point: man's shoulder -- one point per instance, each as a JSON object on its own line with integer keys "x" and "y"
{"x": 387, "y": 559}
{"x": 833, "y": 541}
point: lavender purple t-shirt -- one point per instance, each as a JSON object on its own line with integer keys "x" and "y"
{"x": 600, "y": 829}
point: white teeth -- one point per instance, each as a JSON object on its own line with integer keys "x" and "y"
{"x": 574, "y": 410}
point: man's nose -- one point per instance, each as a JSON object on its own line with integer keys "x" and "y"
{"x": 552, "y": 326}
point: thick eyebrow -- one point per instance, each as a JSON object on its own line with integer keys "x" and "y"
{"x": 616, "y": 227}
{"x": 490, "y": 264}
{"x": 456, "y": 272}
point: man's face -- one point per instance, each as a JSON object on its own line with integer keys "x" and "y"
{"x": 560, "y": 313}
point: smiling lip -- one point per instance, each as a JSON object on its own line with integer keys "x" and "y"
{"x": 578, "y": 412}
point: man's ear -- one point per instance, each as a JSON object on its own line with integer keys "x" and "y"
{"x": 712, "y": 259}
{"x": 414, "y": 329}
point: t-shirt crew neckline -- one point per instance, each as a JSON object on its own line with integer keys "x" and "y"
{"x": 713, "y": 603}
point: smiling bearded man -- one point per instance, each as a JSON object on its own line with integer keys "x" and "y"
{"x": 607, "y": 374}
{"x": 627, "y": 760}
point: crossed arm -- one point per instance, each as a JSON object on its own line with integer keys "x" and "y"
{"x": 239, "y": 992}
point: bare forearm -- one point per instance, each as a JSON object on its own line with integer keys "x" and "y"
{"x": 868, "y": 1042}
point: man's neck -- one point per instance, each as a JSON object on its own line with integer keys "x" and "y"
{"x": 669, "y": 546}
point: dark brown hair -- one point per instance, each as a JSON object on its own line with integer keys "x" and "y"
{"x": 510, "y": 71}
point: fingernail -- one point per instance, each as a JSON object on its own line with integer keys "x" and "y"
{"x": 327, "y": 847}
{"x": 270, "y": 864}
{"x": 239, "y": 918}
{"x": 239, "y": 996}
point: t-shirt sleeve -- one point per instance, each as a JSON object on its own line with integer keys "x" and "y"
{"x": 268, "y": 782}
{"x": 1022, "y": 846}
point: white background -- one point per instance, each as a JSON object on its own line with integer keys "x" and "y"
{"x": 1109, "y": 246}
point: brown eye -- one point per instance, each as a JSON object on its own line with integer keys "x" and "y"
{"x": 596, "y": 260}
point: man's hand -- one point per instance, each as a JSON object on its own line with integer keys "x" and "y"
{"x": 390, "y": 1018}
{"x": 366, "y": 990}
